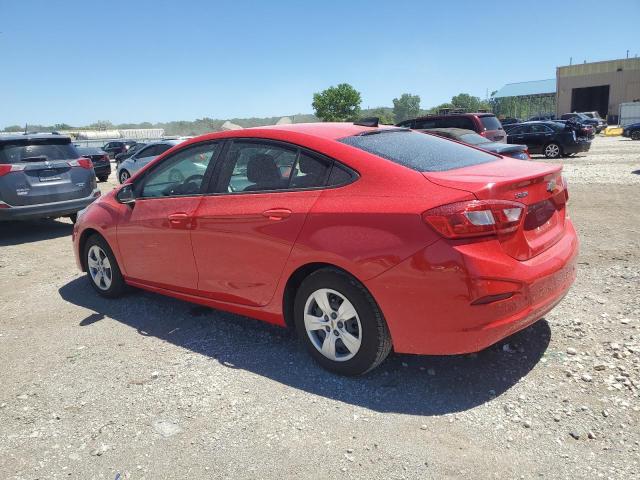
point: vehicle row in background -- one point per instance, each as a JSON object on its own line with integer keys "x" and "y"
{"x": 553, "y": 139}
{"x": 485, "y": 124}
{"x": 470, "y": 137}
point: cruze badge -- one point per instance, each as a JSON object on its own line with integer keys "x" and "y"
{"x": 521, "y": 194}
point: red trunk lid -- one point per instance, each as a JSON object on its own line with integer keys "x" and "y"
{"x": 538, "y": 186}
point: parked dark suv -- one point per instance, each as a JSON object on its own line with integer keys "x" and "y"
{"x": 43, "y": 175}
{"x": 552, "y": 139}
{"x": 117, "y": 146}
{"x": 485, "y": 124}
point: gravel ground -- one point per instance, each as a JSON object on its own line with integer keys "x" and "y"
{"x": 150, "y": 387}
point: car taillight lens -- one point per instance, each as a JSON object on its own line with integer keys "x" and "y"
{"x": 81, "y": 162}
{"x": 8, "y": 168}
{"x": 475, "y": 218}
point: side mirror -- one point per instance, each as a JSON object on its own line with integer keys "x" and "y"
{"x": 125, "y": 195}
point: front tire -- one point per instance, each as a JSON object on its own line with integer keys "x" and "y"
{"x": 340, "y": 323}
{"x": 552, "y": 150}
{"x": 102, "y": 268}
{"x": 635, "y": 135}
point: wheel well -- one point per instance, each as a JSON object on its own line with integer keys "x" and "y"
{"x": 293, "y": 284}
{"x": 83, "y": 241}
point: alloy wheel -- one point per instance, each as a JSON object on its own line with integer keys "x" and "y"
{"x": 552, "y": 150}
{"x": 99, "y": 267}
{"x": 124, "y": 176}
{"x": 332, "y": 324}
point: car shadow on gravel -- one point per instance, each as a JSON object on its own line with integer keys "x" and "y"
{"x": 16, "y": 233}
{"x": 417, "y": 385}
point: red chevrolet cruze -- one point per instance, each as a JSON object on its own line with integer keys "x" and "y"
{"x": 361, "y": 238}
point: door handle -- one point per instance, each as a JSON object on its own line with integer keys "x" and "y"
{"x": 179, "y": 219}
{"x": 277, "y": 213}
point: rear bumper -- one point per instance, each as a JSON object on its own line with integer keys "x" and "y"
{"x": 428, "y": 299}
{"x": 102, "y": 170}
{"x": 577, "y": 147}
{"x": 44, "y": 210}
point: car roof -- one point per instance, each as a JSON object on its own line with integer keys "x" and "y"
{"x": 322, "y": 130}
{"x": 451, "y": 130}
{"x": 89, "y": 149}
{"x": 32, "y": 136}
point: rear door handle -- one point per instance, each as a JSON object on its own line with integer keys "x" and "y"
{"x": 277, "y": 213}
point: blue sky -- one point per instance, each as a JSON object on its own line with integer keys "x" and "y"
{"x": 130, "y": 61}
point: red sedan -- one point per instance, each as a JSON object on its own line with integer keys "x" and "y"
{"x": 361, "y": 238}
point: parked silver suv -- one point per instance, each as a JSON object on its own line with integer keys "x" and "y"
{"x": 43, "y": 176}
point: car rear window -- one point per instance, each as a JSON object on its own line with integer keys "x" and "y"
{"x": 491, "y": 123}
{"x": 15, "y": 151}
{"x": 418, "y": 151}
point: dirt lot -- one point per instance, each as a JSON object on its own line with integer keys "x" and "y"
{"x": 150, "y": 387}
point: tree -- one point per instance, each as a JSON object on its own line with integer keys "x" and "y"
{"x": 385, "y": 115}
{"x": 101, "y": 125}
{"x": 469, "y": 103}
{"x": 405, "y": 107}
{"x": 337, "y": 104}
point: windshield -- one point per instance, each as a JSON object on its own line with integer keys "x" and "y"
{"x": 424, "y": 153}
{"x": 47, "y": 149}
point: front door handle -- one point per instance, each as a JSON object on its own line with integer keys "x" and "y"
{"x": 179, "y": 219}
{"x": 277, "y": 213}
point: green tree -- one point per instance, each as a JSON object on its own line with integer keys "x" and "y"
{"x": 101, "y": 125}
{"x": 385, "y": 115}
{"x": 337, "y": 104}
{"x": 405, "y": 107}
{"x": 469, "y": 103}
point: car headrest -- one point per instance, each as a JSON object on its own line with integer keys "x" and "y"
{"x": 262, "y": 168}
{"x": 311, "y": 166}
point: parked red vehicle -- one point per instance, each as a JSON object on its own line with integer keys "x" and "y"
{"x": 485, "y": 124}
{"x": 361, "y": 238}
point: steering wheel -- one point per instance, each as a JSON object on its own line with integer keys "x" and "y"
{"x": 191, "y": 178}
{"x": 183, "y": 187}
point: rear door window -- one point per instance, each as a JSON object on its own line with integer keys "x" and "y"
{"x": 490, "y": 123}
{"x": 37, "y": 150}
{"x": 424, "y": 153}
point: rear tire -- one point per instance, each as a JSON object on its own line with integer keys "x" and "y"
{"x": 73, "y": 217}
{"x": 635, "y": 135}
{"x": 552, "y": 150}
{"x": 102, "y": 179}
{"x": 102, "y": 268}
{"x": 340, "y": 323}
{"x": 124, "y": 176}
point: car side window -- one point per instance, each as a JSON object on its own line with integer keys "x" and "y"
{"x": 145, "y": 152}
{"x": 309, "y": 172}
{"x": 421, "y": 124}
{"x": 181, "y": 173}
{"x": 255, "y": 166}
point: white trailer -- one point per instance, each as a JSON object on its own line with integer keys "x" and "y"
{"x": 629, "y": 113}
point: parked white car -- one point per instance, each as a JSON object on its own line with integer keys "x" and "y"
{"x": 139, "y": 159}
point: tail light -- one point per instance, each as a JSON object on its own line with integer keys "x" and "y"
{"x": 475, "y": 218}
{"x": 8, "y": 168}
{"x": 81, "y": 162}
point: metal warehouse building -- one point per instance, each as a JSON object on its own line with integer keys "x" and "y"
{"x": 598, "y": 86}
